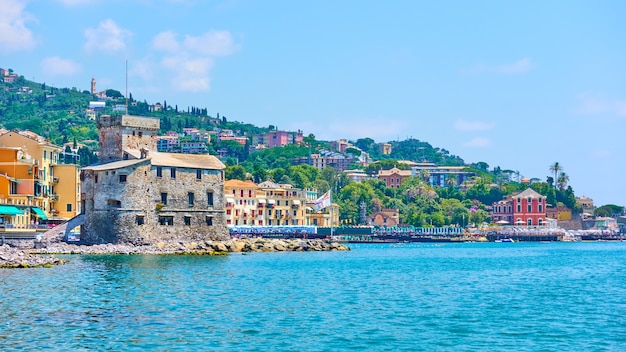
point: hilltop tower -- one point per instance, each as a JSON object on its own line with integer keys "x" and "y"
{"x": 118, "y": 133}
{"x": 93, "y": 85}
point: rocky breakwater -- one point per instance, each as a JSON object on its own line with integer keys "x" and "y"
{"x": 11, "y": 257}
{"x": 242, "y": 245}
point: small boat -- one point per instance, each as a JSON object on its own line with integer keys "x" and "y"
{"x": 505, "y": 240}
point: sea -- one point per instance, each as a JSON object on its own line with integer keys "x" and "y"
{"x": 522, "y": 296}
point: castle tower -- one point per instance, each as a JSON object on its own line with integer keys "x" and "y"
{"x": 125, "y": 132}
{"x": 93, "y": 85}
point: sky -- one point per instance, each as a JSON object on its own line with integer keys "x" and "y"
{"x": 515, "y": 84}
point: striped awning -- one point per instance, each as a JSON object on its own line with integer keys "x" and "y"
{"x": 9, "y": 210}
{"x": 40, "y": 213}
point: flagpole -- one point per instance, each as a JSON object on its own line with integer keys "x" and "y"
{"x": 330, "y": 196}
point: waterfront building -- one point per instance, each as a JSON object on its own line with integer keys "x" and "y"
{"x": 385, "y": 217}
{"x": 286, "y": 205}
{"x": 525, "y": 208}
{"x": 586, "y": 205}
{"x": 142, "y": 196}
{"x": 243, "y": 204}
{"x": 52, "y": 182}
{"x": 267, "y": 203}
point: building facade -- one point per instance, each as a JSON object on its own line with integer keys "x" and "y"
{"x": 527, "y": 208}
{"x": 142, "y": 196}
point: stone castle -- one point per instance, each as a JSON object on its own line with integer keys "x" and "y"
{"x": 140, "y": 196}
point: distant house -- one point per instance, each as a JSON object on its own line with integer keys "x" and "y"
{"x": 393, "y": 177}
{"x": 385, "y": 218}
{"x": 442, "y": 176}
{"x": 526, "y": 208}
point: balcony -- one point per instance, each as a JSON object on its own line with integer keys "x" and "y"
{"x": 54, "y": 197}
{"x": 55, "y": 179}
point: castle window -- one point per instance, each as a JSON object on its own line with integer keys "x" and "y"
{"x": 164, "y": 198}
{"x": 166, "y": 220}
{"x": 122, "y": 178}
{"x": 139, "y": 220}
{"x": 187, "y": 220}
{"x": 140, "y": 134}
{"x": 209, "y": 199}
{"x": 198, "y": 174}
{"x": 209, "y": 221}
{"x": 173, "y": 172}
{"x": 159, "y": 171}
{"x": 114, "y": 203}
{"x": 190, "y": 197}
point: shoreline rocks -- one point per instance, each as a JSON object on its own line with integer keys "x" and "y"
{"x": 11, "y": 257}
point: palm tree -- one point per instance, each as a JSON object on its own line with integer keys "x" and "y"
{"x": 562, "y": 181}
{"x": 556, "y": 168}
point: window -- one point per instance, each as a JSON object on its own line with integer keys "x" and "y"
{"x": 530, "y": 208}
{"x": 122, "y": 178}
{"x": 295, "y": 213}
{"x": 190, "y": 197}
{"x": 198, "y": 174}
{"x": 540, "y": 208}
{"x": 95, "y": 179}
{"x": 159, "y": 171}
{"x": 209, "y": 199}
{"x": 140, "y": 134}
{"x": 164, "y": 198}
{"x": 173, "y": 172}
{"x": 166, "y": 220}
{"x": 114, "y": 203}
{"x": 286, "y": 203}
{"x": 187, "y": 220}
{"x": 68, "y": 207}
{"x": 209, "y": 221}
{"x": 139, "y": 220}
{"x": 519, "y": 208}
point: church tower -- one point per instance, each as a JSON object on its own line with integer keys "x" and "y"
{"x": 93, "y": 85}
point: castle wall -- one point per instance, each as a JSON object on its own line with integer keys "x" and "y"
{"x": 132, "y": 211}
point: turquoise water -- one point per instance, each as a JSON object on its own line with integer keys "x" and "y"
{"x": 417, "y": 297}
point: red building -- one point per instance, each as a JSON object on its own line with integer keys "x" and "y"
{"x": 526, "y": 208}
{"x": 394, "y": 176}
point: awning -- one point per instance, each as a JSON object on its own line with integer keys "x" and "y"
{"x": 9, "y": 210}
{"x": 261, "y": 201}
{"x": 296, "y": 202}
{"x": 230, "y": 200}
{"x": 271, "y": 201}
{"x": 40, "y": 214}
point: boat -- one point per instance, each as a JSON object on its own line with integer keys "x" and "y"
{"x": 505, "y": 240}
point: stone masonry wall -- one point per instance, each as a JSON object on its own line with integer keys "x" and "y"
{"x": 139, "y": 198}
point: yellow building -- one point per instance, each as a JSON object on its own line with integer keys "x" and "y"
{"x": 20, "y": 207}
{"x": 265, "y": 204}
{"x": 51, "y": 185}
{"x": 285, "y": 205}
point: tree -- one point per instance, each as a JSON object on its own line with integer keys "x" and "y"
{"x": 235, "y": 172}
{"x": 562, "y": 181}
{"x": 556, "y": 168}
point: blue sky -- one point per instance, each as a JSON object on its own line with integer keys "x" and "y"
{"x": 519, "y": 85}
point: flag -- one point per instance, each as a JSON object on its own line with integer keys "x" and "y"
{"x": 322, "y": 202}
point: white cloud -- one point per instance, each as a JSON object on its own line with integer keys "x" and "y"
{"x": 166, "y": 41}
{"x": 191, "y": 59}
{"x": 478, "y": 142}
{"x": 590, "y": 104}
{"x": 519, "y": 66}
{"x": 463, "y": 125}
{"x": 212, "y": 43}
{"x": 14, "y": 35}
{"x": 55, "y": 66}
{"x": 108, "y": 37}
